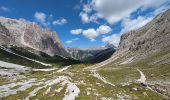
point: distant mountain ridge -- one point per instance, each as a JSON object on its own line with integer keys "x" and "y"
{"x": 93, "y": 54}
{"x": 22, "y": 33}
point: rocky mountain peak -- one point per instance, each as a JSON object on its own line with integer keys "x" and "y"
{"x": 22, "y": 33}
{"x": 150, "y": 37}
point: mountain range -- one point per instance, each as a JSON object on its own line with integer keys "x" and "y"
{"x": 35, "y": 65}
{"x": 92, "y": 54}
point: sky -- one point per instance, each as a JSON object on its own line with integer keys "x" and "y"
{"x": 86, "y": 23}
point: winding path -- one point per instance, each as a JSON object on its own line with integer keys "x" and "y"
{"x": 142, "y": 78}
{"x": 97, "y": 75}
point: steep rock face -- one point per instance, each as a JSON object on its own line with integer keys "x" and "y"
{"x": 151, "y": 39}
{"x": 27, "y": 34}
{"x": 5, "y": 35}
{"x": 153, "y": 36}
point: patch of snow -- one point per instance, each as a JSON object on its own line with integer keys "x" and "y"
{"x": 95, "y": 74}
{"x": 10, "y": 51}
{"x": 63, "y": 69}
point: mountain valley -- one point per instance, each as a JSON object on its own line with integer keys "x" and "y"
{"x": 34, "y": 64}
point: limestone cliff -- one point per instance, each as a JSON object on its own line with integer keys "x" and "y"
{"x": 22, "y": 33}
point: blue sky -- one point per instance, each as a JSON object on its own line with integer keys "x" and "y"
{"x": 86, "y": 23}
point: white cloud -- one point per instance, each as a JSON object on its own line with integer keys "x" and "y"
{"x": 40, "y": 17}
{"x": 114, "y": 11}
{"x": 69, "y": 41}
{"x": 132, "y": 24}
{"x": 76, "y": 31}
{"x": 3, "y": 8}
{"x": 113, "y": 39}
{"x": 128, "y": 25}
{"x": 153, "y": 4}
{"x": 84, "y": 17}
{"x": 72, "y": 40}
{"x": 104, "y": 29}
{"x": 75, "y": 39}
{"x": 87, "y": 8}
{"x": 47, "y": 20}
{"x": 90, "y": 34}
{"x": 50, "y": 17}
{"x": 61, "y": 21}
{"x": 161, "y": 9}
{"x": 76, "y": 7}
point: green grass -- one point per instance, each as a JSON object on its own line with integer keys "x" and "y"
{"x": 103, "y": 89}
{"x": 20, "y": 95}
{"x": 55, "y": 61}
{"x": 116, "y": 74}
{"x": 3, "y": 81}
{"x": 11, "y": 58}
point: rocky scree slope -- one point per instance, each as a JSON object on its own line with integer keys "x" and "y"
{"x": 138, "y": 44}
{"x": 22, "y": 33}
{"x": 153, "y": 37}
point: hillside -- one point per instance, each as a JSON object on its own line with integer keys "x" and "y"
{"x": 22, "y": 33}
{"x": 145, "y": 50}
{"x": 101, "y": 56}
{"x": 21, "y": 40}
{"x": 151, "y": 39}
